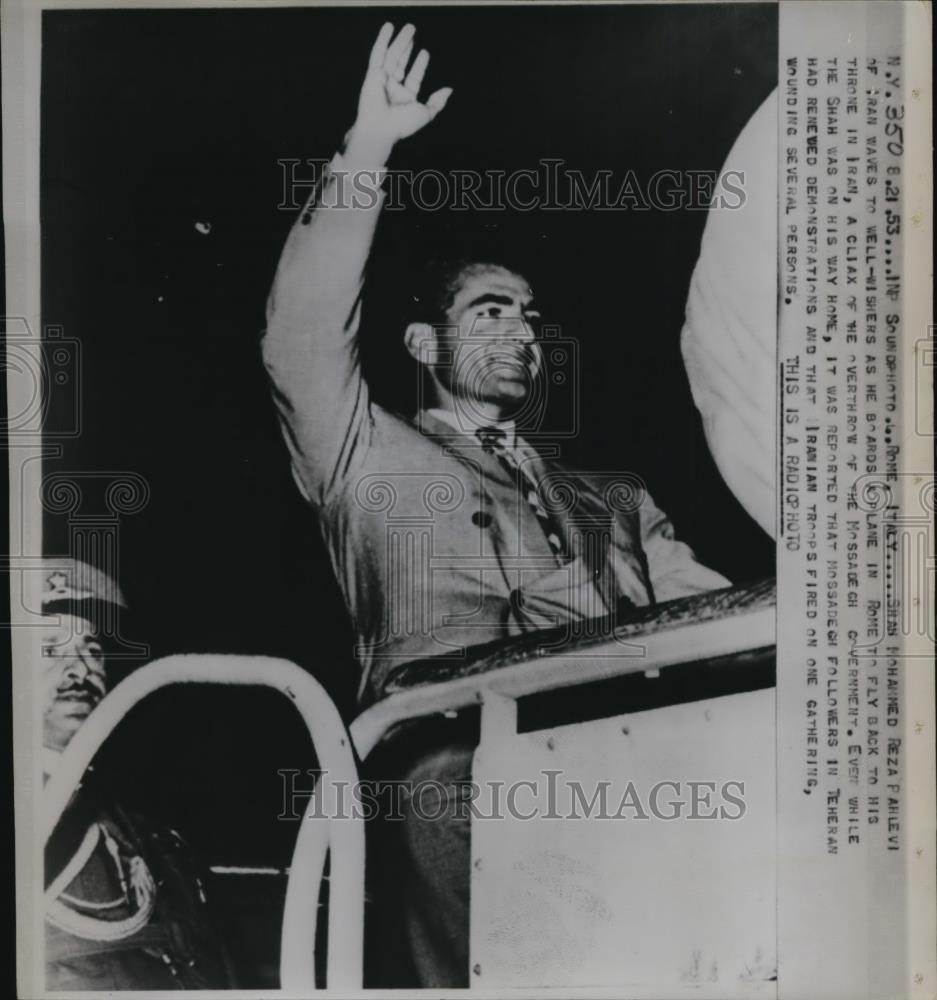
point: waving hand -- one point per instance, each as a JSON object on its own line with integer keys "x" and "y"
{"x": 389, "y": 108}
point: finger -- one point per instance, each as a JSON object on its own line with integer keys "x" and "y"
{"x": 379, "y": 48}
{"x": 415, "y": 76}
{"x": 403, "y": 39}
{"x": 437, "y": 100}
{"x": 401, "y": 68}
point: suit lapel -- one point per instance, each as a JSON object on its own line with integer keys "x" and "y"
{"x": 464, "y": 447}
{"x": 502, "y": 485}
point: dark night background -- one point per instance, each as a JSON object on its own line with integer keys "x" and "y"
{"x": 156, "y": 120}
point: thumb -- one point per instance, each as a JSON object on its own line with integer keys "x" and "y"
{"x": 437, "y": 100}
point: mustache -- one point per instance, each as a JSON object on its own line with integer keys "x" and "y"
{"x": 511, "y": 354}
{"x": 80, "y": 689}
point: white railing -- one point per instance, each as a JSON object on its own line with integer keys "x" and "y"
{"x": 344, "y": 959}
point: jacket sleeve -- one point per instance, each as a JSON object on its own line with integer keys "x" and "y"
{"x": 672, "y": 568}
{"x": 310, "y": 346}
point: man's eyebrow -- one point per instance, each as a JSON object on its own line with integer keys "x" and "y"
{"x": 501, "y": 300}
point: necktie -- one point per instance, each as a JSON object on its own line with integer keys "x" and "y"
{"x": 595, "y": 552}
{"x": 493, "y": 442}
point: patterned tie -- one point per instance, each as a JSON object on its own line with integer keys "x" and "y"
{"x": 493, "y": 442}
{"x": 595, "y": 555}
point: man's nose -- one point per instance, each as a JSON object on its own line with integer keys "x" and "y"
{"x": 84, "y": 658}
{"x": 516, "y": 328}
{"x": 78, "y": 667}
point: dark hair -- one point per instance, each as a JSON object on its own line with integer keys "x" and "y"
{"x": 438, "y": 282}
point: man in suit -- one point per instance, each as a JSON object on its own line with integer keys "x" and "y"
{"x": 124, "y": 904}
{"x": 447, "y": 529}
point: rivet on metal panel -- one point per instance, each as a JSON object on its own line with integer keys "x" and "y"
{"x": 478, "y": 864}
{"x": 550, "y": 743}
{"x": 477, "y": 969}
{"x": 626, "y": 730}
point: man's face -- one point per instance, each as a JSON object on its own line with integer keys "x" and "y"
{"x": 496, "y": 359}
{"x": 73, "y": 665}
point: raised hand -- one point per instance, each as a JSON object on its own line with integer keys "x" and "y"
{"x": 389, "y": 108}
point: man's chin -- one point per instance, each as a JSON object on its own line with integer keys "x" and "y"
{"x": 509, "y": 397}
{"x": 509, "y": 388}
{"x": 77, "y": 709}
{"x": 512, "y": 399}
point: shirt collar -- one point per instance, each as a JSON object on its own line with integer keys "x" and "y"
{"x": 467, "y": 423}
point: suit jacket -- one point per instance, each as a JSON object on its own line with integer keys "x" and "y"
{"x": 433, "y": 544}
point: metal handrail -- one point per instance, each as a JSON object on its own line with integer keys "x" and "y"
{"x": 345, "y": 953}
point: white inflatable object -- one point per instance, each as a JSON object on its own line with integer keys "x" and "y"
{"x": 729, "y": 337}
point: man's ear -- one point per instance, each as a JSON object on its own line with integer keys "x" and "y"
{"x": 420, "y": 342}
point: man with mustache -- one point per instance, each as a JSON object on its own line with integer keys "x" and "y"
{"x": 124, "y": 904}
{"x": 445, "y": 530}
